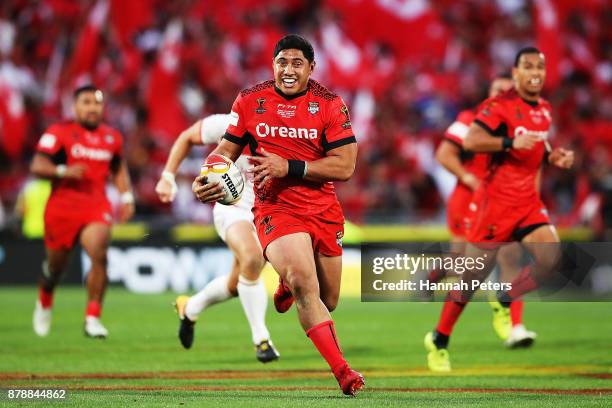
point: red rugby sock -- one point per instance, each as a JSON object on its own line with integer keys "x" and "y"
{"x": 523, "y": 283}
{"x": 449, "y": 316}
{"x": 94, "y": 308}
{"x": 45, "y": 298}
{"x": 436, "y": 275}
{"x": 516, "y": 312}
{"x": 323, "y": 335}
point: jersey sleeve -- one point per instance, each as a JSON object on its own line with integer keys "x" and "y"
{"x": 236, "y": 131}
{"x": 458, "y": 130}
{"x": 213, "y": 127}
{"x": 117, "y": 150}
{"x": 490, "y": 115}
{"x": 339, "y": 131}
{"x": 552, "y": 131}
{"x": 119, "y": 143}
{"x": 51, "y": 142}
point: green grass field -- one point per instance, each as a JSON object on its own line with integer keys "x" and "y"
{"x": 143, "y": 364}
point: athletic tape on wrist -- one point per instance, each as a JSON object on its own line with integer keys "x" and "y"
{"x": 168, "y": 176}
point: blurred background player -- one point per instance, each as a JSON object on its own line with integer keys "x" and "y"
{"x": 470, "y": 168}
{"x": 301, "y": 139}
{"x": 507, "y": 206}
{"x": 234, "y": 224}
{"x": 78, "y": 156}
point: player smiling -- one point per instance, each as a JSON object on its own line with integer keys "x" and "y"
{"x": 513, "y": 126}
{"x": 299, "y": 221}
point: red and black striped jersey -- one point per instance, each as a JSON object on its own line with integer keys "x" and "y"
{"x": 512, "y": 174}
{"x": 304, "y": 126}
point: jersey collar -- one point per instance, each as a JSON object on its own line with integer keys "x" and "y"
{"x": 533, "y": 104}
{"x": 290, "y": 97}
{"x": 89, "y": 129}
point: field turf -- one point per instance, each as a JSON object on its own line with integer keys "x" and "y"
{"x": 143, "y": 364}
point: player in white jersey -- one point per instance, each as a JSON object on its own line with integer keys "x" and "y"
{"x": 234, "y": 224}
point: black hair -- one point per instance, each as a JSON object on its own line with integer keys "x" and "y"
{"x": 525, "y": 50}
{"x": 85, "y": 88}
{"x": 296, "y": 42}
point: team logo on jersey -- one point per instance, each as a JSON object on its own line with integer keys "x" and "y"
{"x": 487, "y": 110}
{"x": 313, "y": 108}
{"x": 523, "y": 131}
{"x": 91, "y": 138}
{"x": 79, "y": 151}
{"x": 286, "y": 111}
{"x": 264, "y": 130}
{"x": 339, "y": 236}
{"x": 109, "y": 139}
{"x": 537, "y": 116}
{"x": 345, "y": 112}
{"x": 260, "y": 108}
{"x": 266, "y": 223}
{"x": 518, "y": 114}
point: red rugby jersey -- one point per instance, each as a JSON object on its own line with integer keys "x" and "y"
{"x": 69, "y": 143}
{"x": 301, "y": 127}
{"x": 511, "y": 176}
{"x": 475, "y": 163}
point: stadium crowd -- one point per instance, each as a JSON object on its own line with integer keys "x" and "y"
{"x": 405, "y": 68}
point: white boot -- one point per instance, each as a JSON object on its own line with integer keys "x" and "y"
{"x": 41, "y": 321}
{"x": 95, "y": 328}
{"x": 520, "y": 337}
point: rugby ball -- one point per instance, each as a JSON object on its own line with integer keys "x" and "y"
{"x": 220, "y": 169}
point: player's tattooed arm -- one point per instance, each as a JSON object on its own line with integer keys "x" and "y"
{"x": 478, "y": 139}
{"x": 42, "y": 166}
{"x": 448, "y": 155}
{"x": 209, "y": 192}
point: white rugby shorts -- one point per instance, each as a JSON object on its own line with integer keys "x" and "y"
{"x": 225, "y": 216}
